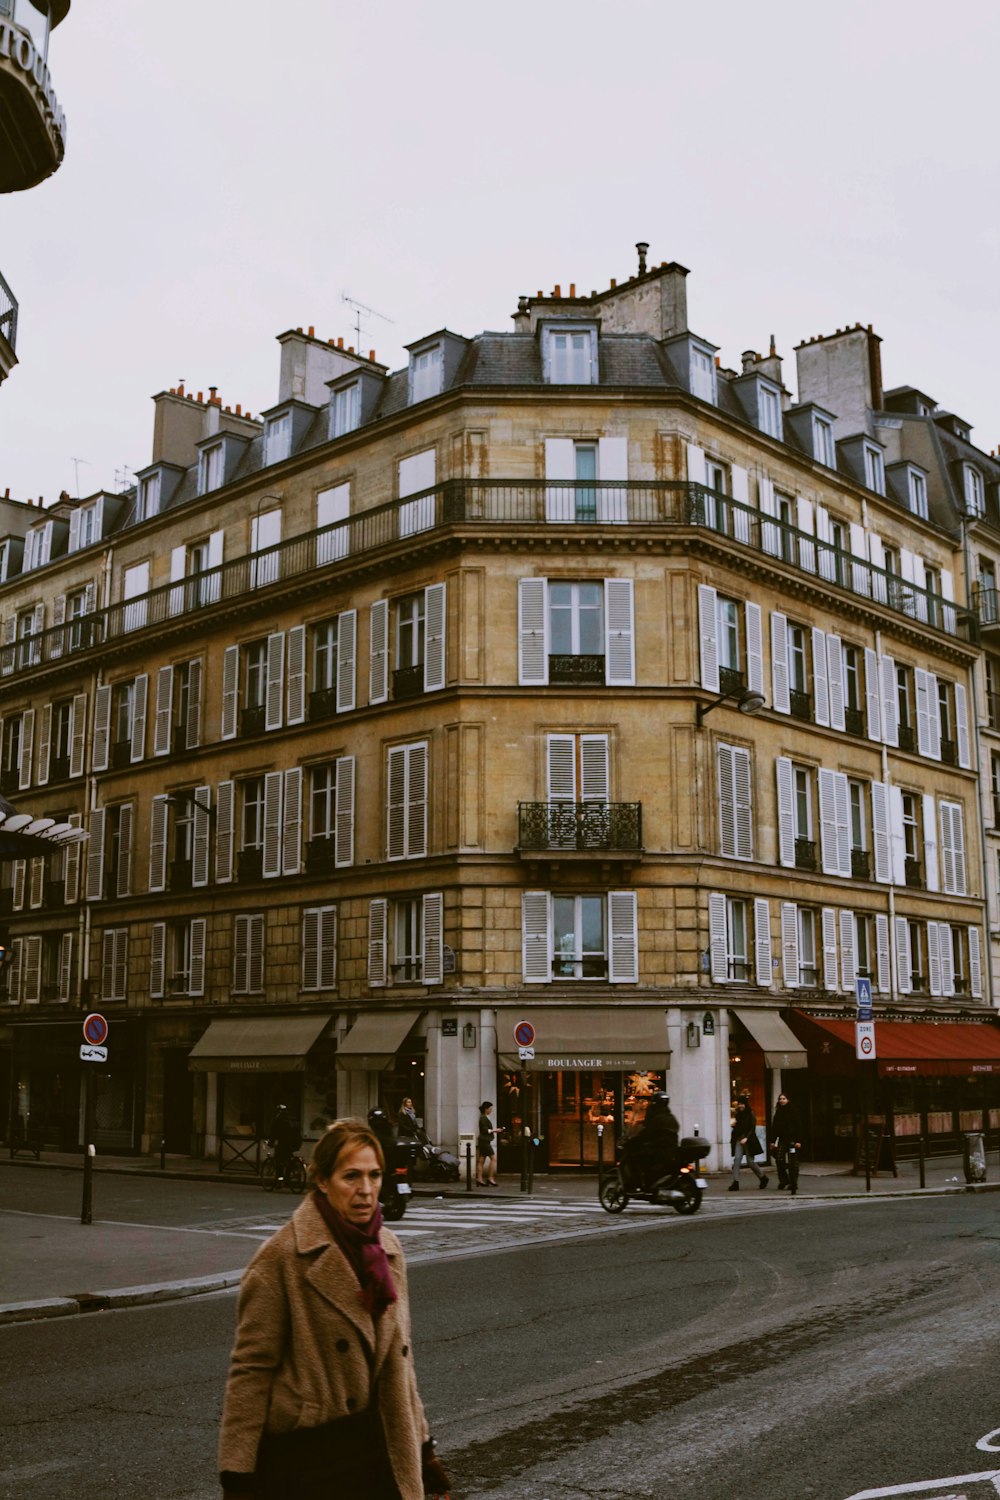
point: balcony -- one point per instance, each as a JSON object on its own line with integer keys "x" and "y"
{"x": 320, "y": 856}
{"x": 914, "y": 874}
{"x": 121, "y": 754}
{"x": 854, "y": 722}
{"x": 907, "y": 737}
{"x": 322, "y": 704}
{"x": 408, "y": 682}
{"x": 861, "y": 864}
{"x": 949, "y": 752}
{"x": 731, "y": 682}
{"x": 805, "y": 854}
{"x": 800, "y": 706}
{"x": 252, "y": 721}
{"x": 59, "y": 768}
{"x": 988, "y": 613}
{"x": 576, "y": 671}
{"x": 250, "y": 865}
{"x": 610, "y": 832}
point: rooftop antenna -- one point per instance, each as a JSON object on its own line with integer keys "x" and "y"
{"x": 359, "y": 308}
{"x": 76, "y": 462}
{"x": 123, "y": 479}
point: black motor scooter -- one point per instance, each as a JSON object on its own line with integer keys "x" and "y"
{"x": 681, "y": 1188}
{"x": 396, "y": 1189}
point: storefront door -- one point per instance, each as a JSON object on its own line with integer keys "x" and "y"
{"x": 575, "y": 1103}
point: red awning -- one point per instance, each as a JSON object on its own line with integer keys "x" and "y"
{"x": 903, "y": 1047}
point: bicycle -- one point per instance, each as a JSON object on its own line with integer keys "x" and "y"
{"x": 294, "y": 1177}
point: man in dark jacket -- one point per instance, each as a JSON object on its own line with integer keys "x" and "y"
{"x": 285, "y": 1138}
{"x": 651, "y": 1152}
{"x": 786, "y": 1143}
{"x": 745, "y": 1143}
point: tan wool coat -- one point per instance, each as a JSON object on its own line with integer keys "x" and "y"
{"x": 307, "y": 1352}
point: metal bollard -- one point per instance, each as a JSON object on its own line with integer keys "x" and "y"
{"x": 600, "y": 1154}
{"x": 468, "y": 1168}
{"x": 920, "y": 1158}
{"x": 163, "y": 1153}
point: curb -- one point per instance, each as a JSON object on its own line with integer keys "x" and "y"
{"x": 125, "y": 1296}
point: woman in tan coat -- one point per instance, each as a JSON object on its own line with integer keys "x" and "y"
{"x": 322, "y": 1400}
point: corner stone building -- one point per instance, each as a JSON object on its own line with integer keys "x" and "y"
{"x": 563, "y": 678}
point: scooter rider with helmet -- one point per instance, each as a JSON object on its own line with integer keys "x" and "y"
{"x": 652, "y": 1151}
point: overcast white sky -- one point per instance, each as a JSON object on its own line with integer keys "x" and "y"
{"x": 234, "y": 166}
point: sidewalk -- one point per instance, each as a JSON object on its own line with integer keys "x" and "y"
{"x": 57, "y": 1266}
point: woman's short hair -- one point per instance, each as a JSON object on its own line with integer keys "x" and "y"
{"x": 486, "y": 1104}
{"x": 341, "y": 1136}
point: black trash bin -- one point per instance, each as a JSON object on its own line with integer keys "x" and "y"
{"x": 974, "y": 1156}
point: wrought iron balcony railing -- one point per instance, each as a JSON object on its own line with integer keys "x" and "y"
{"x": 485, "y": 504}
{"x": 598, "y": 826}
{"x": 988, "y": 608}
{"x": 861, "y": 864}
{"x": 8, "y": 314}
{"x": 805, "y": 854}
{"x": 914, "y": 874}
{"x": 854, "y": 722}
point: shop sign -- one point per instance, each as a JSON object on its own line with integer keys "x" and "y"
{"x": 601, "y": 1063}
{"x": 17, "y": 47}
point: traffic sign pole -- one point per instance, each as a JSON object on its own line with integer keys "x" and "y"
{"x": 86, "y": 1212}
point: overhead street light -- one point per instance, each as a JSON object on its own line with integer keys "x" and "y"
{"x": 747, "y": 700}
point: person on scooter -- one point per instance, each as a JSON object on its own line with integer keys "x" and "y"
{"x": 652, "y": 1151}
{"x": 284, "y": 1138}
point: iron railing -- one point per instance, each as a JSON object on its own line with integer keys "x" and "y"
{"x": 987, "y": 607}
{"x": 8, "y": 314}
{"x": 601, "y": 826}
{"x": 490, "y": 503}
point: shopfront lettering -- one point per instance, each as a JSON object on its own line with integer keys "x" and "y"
{"x": 602, "y": 1063}
{"x": 17, "y": 47}
{"x": 244, "y": 1065}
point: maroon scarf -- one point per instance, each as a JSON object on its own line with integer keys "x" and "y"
{"x": 364, "y": 1254}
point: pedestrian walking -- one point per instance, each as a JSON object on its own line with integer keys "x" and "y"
{"x": 322, "y": 1399}
{"x": 486, "y": 1161}
{"x": 284, "y": 1137}
{"x": 745, "y": 1143}
{"x": 786, "y": 1143}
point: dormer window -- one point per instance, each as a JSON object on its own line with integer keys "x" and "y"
{"x": 210, "y": 469}
{"x": 278, "y": 439}
{"x": 702, "y": 374}
{"x": 149, "y": 497}
{"x": 426, "y": 373}
{"x": 570, "y": 356}
{"x": 85, "y": 526}
{"x": 769, "y": 411}
{"x": 975, "y": 497}
{"x": 918, "y": 493}
{"x": 823, "y": 449}
{"x": 345, "y": 410}
{"x": 38, "y": 546}
{"x": 874, "y": 469}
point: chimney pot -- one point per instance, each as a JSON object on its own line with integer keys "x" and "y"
{"x": 200, "y": 397}
{"x": 539, "y": 293}
{"x": 572, "y": 288}
{"x": 340, "y": 343}
{"x": 298, "y": 330}
{"x": 371, "y": 355}
{"x": 239, "y": 409}
{"x": 312, "y": 331}
{"x": 557, "y": 290}
{"x": 614, "y": 283}
{"x": 350, "y": 348}
{"x": 642, "y": 246}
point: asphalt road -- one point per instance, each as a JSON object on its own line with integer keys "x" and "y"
{"x": 823, "y": 1352}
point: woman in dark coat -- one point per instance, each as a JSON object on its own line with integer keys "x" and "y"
{"x": 786, "y": 1143}
{"x": 745, "y": 1143}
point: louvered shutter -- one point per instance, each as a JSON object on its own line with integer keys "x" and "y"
{"x": 769, "y": 535}
{"x": 786, "y": 812}
{"x": 193, "y": 726}
{"x": 36, "y": 882}
{"x": 804, "y": 524}
{"x": 848, "y": 952}
{"x": 31, "y": 984}
{"x": 44, "y": 744}
{"x": 27, "y": 745}
{"x": 890, "y": 701}
{"x": 704, "y": 503}
{"x": 377, "y": 957}
{"x": 310, "y": 948}
{"x": 196, "y": 977}
{"x": 962, "y": 725}
{"x": 708, "y": 633}
{"x": 102, "y": 728}
{"x": 343, "y": 836}
{"x": 623, "y": 965}
{"x": 897, "y": 836}
{"x": 860, "y": 571}
{"x": 904, "y": 981}
{"x": 416, "y": 801}
{"x": 291, "y": 841}
{"x": 275, "y": 690}
{"x": 124, "y": 881}
{"x": 95, "y": 856}
{"x": 762, "y": 940}
{"x": 201, "y": 841}
{"x": 727, "y": 801}
{"x": 873, "y": 696}
{"x": 396, "y": 800}
{"x": 947, "y": 848}
{"x": 435, "y": 613}
{"x": 255, "y": 975}
{"x": 829, "y": 841}
{"x": 880, "y": 832}
{"x": 533, "y": 630}
{"x": 108, "y": 964}
{"x": 241, "y": 955}
{"x": 882, "y": 959}
{"x": 931, "y": 872}
{"x": 77, "y": 734}
{"x": 821, "y": 683}
{"x": 934, "y": 958}
{"x": 225, "y": 799}
{"x": 230, "y": 692}
{"x": 925, "y": 743}
{"x": 946, "y": 954}
{"x": 178, "y": 568}
{"x": 835, "y": 675}
{"x": 140, "y": 693}
{"x": 432, "y": 923}
{"x": 755, "y": 647}
{"x": 934, "y": 715}
{"x": 272, "y": 823}
{"x": 72, "y": 887}
{"x": 975, "y": 964}
{"x": 560, "y": 463}
{"x": 347, "y": 635}
{"x": 19, "y": 873}
{"x": 741, "y": 502}
{"x": 159, "y": 817}
{"x": 842, "y": 798}
{"x": 157, "y": 959}
{"x": 780, "y": 686}
{"x": 536, "y": 937}
{"x": 824, "y": 546}
{"x": 296, "y": 677}
{"x": 717, "y": 943}
{"x": 594, "y": 768}
{"x": 14, "y": 974}
{"x": 57, "y": 641}
{"x": 958, "y": 845}
{"x": 829, "y": 926}
{"x": 378, "y": 645}
{"x": 67, "y": 967}
{"x": 619, "y": 632}
{"x": 790, "y": 945}
{"x": 163, "y": 710}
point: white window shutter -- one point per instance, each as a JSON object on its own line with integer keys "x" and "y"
{"x": 780, "y": 685}
{"x": 931, "y": 872}
{"x": 396, "y": 810}
{"x": 241, "y": 954}
{"x": 924, "y": 737}
{"x": 842, "y": 799}
{"x": 27, "y": 745}
{"x": 14, "y": 973}
{"x": 124, "y": 882}
{"x": 824, "y": 546}
{"x": 102, "y": 728}
{"x": 890, "y": 702}
{"x": 594, "y": 768}
{"x": 873, "y": 695}
{"x": 533, "y": 632}
{"x": 727, "y": 801}
{"x": 225, "y": 801}
{"x": 435, "y": 614}
{"x": 432, "y": 919}
{"x": 741, "y": 502}
{"x": 946, "y": 847}
{"x": 163, "y": 710}
{"x": 416, "y": 801}
{"x": 717, "y": 938}
{"x": 344, "y": 812}
{"x": 883, "y": 961}
{"x": 786, "y": 812}
{"x": 560, "y": 463}
{"x": 742, "y": 802}
{"x": 536, "y": 937}
{"x": 897, "y": 836}
{"x": 860, "y": 571}
{"x": 377, "y": 957}
{"x": 67, "y": 967}
{"x": 255, "y": 975}
{"x": 196, "y": 976}
{"x": 78, "y": 734}
{"x": 291, "y": 839}
{"x": 934, "y": 958}
{"x": 821, "y": 683}
{"x": 347, "y": 646}
{"x": 880, "y": 832}
{"x": 44, "y": 744}
{"x": 36, "y": 882}
{"x": 193, "y": 726}
{"x": 108, "y": 947}
{"x": 295, "y": 678}
{"x": 762, "y": 940}
{"x": 612, "y": 464}
{"x": 31, "y": 984}
{"x": 178, "y": 568}
{"x": 619, "y": 631}
{"x": 962, "y": 725}
{"x": 159, "y": 816}
{"x": 378, "y": 648}
{"x": 95, "y": 856}
{"x": 18, "y": 878}
{"x": 848, "y": 952}
{"x": 230, "y": 692}
{"x": 958, "y": 845}
{"x": 755, "y": 647}
{"x": 934, "y": 715}
{"x": 310, "y": 948}
{"x": 805, "y": 524}
{"x": 201, "y": 827}
{"x": 904, "y": 980}
{"x": 623, "y": 964}
{"x": 157, "y": 959}
{"x": 835, "y": 675}
{"x": 140, "y": 693}
{"x": 273, "y": 781}
{"x": 975, "y": 964}
{"x": 947, "y": 959}
{"x": 829, "y": 842}
{"x": 708, "y": 633}
{"x": 696, "y": 472}
{"x": 275, "y": 692}
{"x": 829, "y": 926}
{"x": 770, "y": 537}
{"x": 790, "y": 945}
{"x": 72, "y": 887}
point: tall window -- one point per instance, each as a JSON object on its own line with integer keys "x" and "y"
{"x": 149, "y": 497}
{"x": 874, "y": 469}
{"x": 570, "y": 356}
{"x": 860, "y": 857}
{"x": 278, "y": 439}
{"x": 426, "y": 374}
{"x": 345, "y": 410}
{"x": 579, "y": 941}
{"x": 737, "y": 939}
{"x": 808, "y": 970}
{"x": 823, "y": 449}
{"x": 864, "y": 946}
{"x": 769, "y": 408}
{"x": 702, "y": 374}
{"x": 975, "y": 502}
{"x": 853, "y": 694}
{"x": 407, "y": 942}
{"x": 918, "y": 493}
{"x": 210, "y": 468}
{"x": 576, "y": 619}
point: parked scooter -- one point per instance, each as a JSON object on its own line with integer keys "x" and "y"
{"x": 433, "y": 1163}
{"x": 681, "y": 1188}
{"x": 396, "y": 1189}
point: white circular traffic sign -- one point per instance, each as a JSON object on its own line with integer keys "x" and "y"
{"x": 866, "y": 1044}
